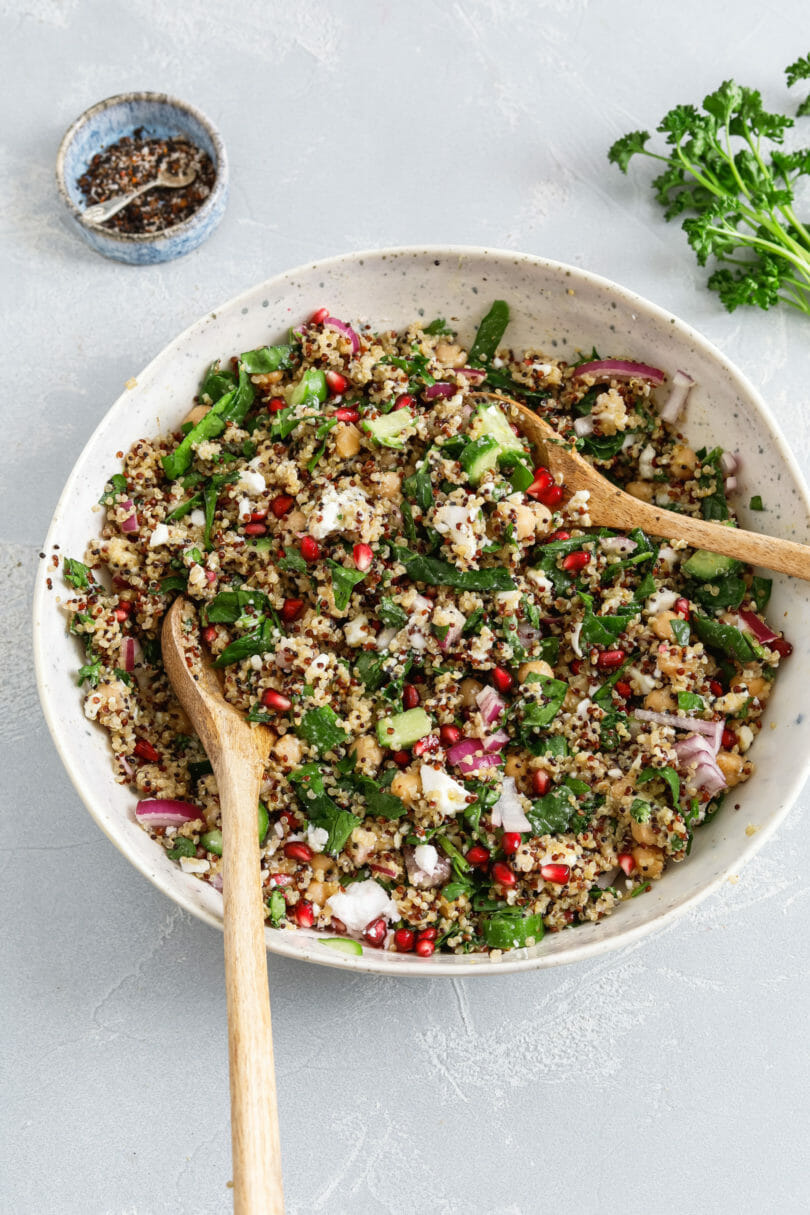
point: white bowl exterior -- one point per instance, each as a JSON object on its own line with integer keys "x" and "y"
{"x": 559, "y": 310}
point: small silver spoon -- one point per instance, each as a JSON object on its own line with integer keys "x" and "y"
{"x": 103, "y": 211}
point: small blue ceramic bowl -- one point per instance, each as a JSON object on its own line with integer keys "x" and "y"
{"x": 161, "y": 117}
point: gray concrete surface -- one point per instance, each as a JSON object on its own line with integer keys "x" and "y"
{"x": 671, "y": 1077}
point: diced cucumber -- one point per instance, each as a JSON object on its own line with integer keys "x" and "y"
{"x": 403, "y": 729}
{"x": 264, "y": 822}
{"x": 518, "y": 467}
{"x": 311, "y": 384}
{"x": 490, "y": 420}
{"x": 390, "y": 428}
{"x": 212, "y": 841}
{"x": 342, "y": 945}
{"x": 479, "y": 456}
{"x": 706, "y": 566}
{"x": 510, "y": 930}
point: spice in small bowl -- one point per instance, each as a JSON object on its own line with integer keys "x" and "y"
{"x": 133, "y": 161}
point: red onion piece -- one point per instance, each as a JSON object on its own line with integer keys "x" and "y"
{"x": 439, "y": 390}
{"x": 345, "y": 329}
{"x": 713, "y": 730}
{"x": 673, "y": 407}
{"x": 130, "y": 524}
{"x": 454, "y": 630}
{"x": 386, "y": 870}
{"x": 129, "y": 771}
{"x": 730, "y": 484}
{"x": 216, "y": 882}
{"x": 130, "y": 653}
{"x": 729, "y": 462}
{"x": 469, "y": 755}
{"x": 472, "y": 373}
{"x": 583, "y": 427}
{"x": 620, "y": 369}
{"x": 166, "y": 812}
{"x": 496, "y": 741}
{"x": 758, "y": 627}
{"x": 490, "y": 704}
{"x": 617, "y": 544}
{"x": 418, "y": 877}
{"x": 697, "y": 751}
{"x": 507, "y": 811}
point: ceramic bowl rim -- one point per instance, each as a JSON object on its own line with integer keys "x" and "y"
{"x": 145, "y": 238}
{"x": 291, "y": 945}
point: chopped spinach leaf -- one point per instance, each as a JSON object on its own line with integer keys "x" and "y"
{"x": 320, "y": 729}
{"x": 344, "y": 580}
{"x": 76, "y": 574}
{"x": 489, "y": 335}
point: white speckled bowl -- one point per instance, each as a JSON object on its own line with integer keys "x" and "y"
{"x": 557, "y": 308}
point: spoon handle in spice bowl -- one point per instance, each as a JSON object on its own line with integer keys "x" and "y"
{"x": 99, "y": 213}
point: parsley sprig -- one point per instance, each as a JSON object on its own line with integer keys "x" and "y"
{"x": 738, "y": 191}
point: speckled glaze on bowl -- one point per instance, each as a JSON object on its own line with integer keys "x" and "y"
{"x": 161, "y": 116}
{"x": 555, "y": 308}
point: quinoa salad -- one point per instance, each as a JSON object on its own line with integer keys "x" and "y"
{"x": 489, "y": 719}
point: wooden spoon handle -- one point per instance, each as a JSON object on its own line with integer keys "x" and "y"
{"x": 785, "y": 556}
{"x": 257, "y": 1184}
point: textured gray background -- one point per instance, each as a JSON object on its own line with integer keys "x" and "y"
{"x": 669, "y": 1077}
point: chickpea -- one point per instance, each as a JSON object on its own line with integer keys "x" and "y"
{"x": 731, "y": 765}
{"x": 759, "y": 687}
{"x": 517, "y": 766}
{"x": 368, "y": 752}
{"x": 671, "y": 660}
{"x": 196, "y": 414}
{"x": 468, "y": 690}
{"x": 660, "y": 700}
{"x": 112, "y": 697}
{"x": 321, "y": 864}
{"x": 542, "y": 518}
{"x": 683, "y": 462}
{"x": 649, "y": 861}
{"x": 521, "y": 516}
{"x": 316, "y": 893}
{"x": 535, "y": 667}
{"x": 288, "y": 750}
{"x": 391, "y": 486}
{"x": 295, "y": 522}
{"x": 447, "y": 352}
{"x": 643, "y": 833}
{"x": 661, "y": 624}
{"x": 407, "y": 786}
{"x": 347, "y": 440}
{"x": 623, "y": 787}
{"x": 643, "y": 490}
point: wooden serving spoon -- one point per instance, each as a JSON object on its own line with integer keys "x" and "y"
{"x": 237, "y": 753}
{"x": 609, "y": 506}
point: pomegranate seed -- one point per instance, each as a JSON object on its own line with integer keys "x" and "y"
{"x": 375, "y": 932}
{"x": 576, "y": 666}
{"x": 681, "y": 608}
{"x": 540, "y": 782}
{"x": 276, "y": 701}
{"x": 281, "y": 879}
{"x": 404, "y": 401}
{"x": 555, "y": 873}
{"x": 410, "y": 696}
{"x": 782, "y": 646}
{"x": 281, "y": 505}
{"x": 510, "y": 842}
{"x": 577, "y": 561}
{"x": 715, "y": 687}
{"x": 297, "y": 850}
{"x": 258, "y": 516}
{"x": 209, "y": 634}
{"x": 426, "y": 934}
{"x": 363, "y": 556}
{"x": 401, "y": 758}
{"x": 404, "y": 939}
{"x": 608, "y": 660}
{"x": 145, "y": 750}
{"x": 347, "y": 415}
{"x": 423, "y": 745}
{"x": 626, "y": 862}
{"x": 337, "y": 382}
{"x": 291, "y": 609}
{"x": 624, "y": 689}
{"x": 478, "y": 855}
{"x": 255, "y": 529}
{"x": 728, "y": 739}
{"x": 502, "y": 874}
{"x": 211, "y": 575}
{"x": 319, "y": 316}
{"x": 309, "y": 549}
{"x": 542, "y": 480}
{"x": 304, "y": 914}
{"x": 277, "y": 404}
{"x": 558, "y": 535}
{"x": 449, "y": 735}
{"x": 552, "y": 496}
{"x": 425, "y": 948}
{"x": 288, "y": 817}
{"x": 502, "y": 679}
{"x": 123, "y": 610}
